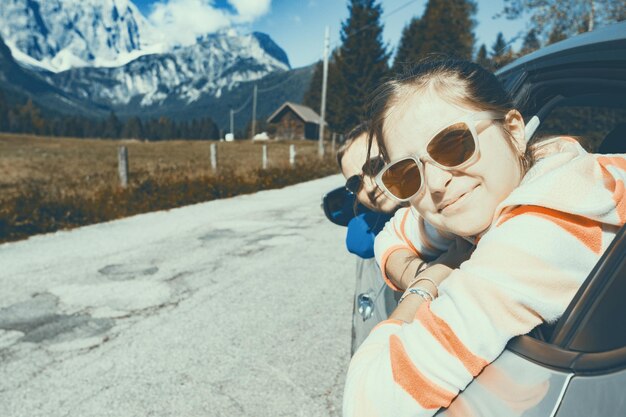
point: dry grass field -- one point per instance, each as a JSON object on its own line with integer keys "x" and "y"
{"x": 65, "y": 163}
{"x": 50, "y": 183}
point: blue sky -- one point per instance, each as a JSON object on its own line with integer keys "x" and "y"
{"x": 298, "y": 25}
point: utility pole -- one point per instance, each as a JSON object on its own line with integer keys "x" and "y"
{"x": 320, "y": 148}
{"x": 232, "y": 122}
{"x": 253, "y": 113}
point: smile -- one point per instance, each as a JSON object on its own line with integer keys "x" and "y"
{"x": 451, "y": 205}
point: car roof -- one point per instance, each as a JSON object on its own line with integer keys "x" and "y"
{"x": 604, "y": 44}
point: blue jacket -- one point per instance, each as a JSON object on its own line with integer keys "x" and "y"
{"x": 362, "y": 231}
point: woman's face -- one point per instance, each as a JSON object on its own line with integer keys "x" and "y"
{"x": 460, "y": 201}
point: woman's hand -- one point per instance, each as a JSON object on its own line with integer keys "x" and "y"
{"x": 459, "y": 251}
{"x": 430, "y": 278}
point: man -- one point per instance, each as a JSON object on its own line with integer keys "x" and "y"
{"x": 360, "y": 172}
{"x": 374, "y": 300}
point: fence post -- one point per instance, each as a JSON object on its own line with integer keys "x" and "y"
{"x": 122, "y": 165}
{"x": 292, "y": 154}
{"x": 333, "y": 143}
{"x": 264, "y": 156}
{"x": 214, "y": 156}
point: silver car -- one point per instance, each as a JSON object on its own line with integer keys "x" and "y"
{"x": 577, "y": 366}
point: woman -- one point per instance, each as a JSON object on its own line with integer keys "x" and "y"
{"x": 539, "y": 217}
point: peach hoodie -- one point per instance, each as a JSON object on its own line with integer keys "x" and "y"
{"x": 544, "y": 240}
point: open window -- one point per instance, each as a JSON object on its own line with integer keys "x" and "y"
{"x": 598, "y": 122}
{"x": 591, "y": 334}
{"x": 590, "y": 104}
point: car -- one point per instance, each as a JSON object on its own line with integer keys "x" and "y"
{"x": 576, "y": 366}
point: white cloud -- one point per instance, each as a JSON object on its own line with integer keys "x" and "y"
{"x": 182, "y": 21}
{"x": 249, "y": 10}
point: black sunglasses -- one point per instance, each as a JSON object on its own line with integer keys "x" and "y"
{"x": 371, "y": 168}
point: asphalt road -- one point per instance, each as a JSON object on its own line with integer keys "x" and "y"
{"x": 236, "y": 307}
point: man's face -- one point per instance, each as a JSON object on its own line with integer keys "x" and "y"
{"x": 354, "y": 158}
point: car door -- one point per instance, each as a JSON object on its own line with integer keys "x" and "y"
{"x": 574, "y": 368}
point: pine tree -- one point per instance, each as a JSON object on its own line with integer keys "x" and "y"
{"x": 132, "y": 129}
{"x": 208, "y": 130}
{"x": 312, "y": 97}
{"x": 336, "y": 90}
{"x": 411, "y": 45}
{"x": 482, "y": 58}
{"x": 112, "y": 127}
{"x": 4, "y": 110}
{"x": 448, "y": 27}
{"x": 30, "y": 118}
{"x": 445, "y": 28}
{"x": 530, "y": 44}
{"x": 361, "y": 63}
{"x": 555, "y": 36}
{"x": 500, "y": 52}
{"x": 558, "y": 18}
{"x": 150, "y": 129}
{"x": 166, "y": 128}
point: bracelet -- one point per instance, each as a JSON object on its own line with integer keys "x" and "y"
{"x": 419, "y": 268}
{"x": 418, "y": 279}
{"x": 427, "y": 296}
{"x": 417, "y": 272}
{"x": 426, "y": 279}
{"x": 405, "y": 268}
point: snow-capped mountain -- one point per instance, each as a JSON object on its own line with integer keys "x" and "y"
{"x": 106, "y": 51}
{"x": 215, "y": 62}
{"x": 60, "y": 34}
{"x": 18, "y": 84}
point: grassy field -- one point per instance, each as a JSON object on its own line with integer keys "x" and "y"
{"x": 51, "y": 183}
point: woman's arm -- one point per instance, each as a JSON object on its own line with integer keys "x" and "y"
{"x": 523, "y": 272}
{"x": 402, "y": 246}
{"x": 429, "y": 278}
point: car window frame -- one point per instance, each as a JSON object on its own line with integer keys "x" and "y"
{"x": 548, "y": 90}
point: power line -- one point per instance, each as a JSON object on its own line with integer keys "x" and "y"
{"x": 384, "y": 16}
{"x": 263, "y": 90}
{"x": 243, "y": 106}
{"x": 293, "y": 74}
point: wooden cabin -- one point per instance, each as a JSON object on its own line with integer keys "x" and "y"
{"x": 295, "y": 121}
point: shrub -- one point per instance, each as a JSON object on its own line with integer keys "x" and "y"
{"x": 41, "y": 208}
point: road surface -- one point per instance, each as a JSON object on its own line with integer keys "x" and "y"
{"x": 235, "y": 307}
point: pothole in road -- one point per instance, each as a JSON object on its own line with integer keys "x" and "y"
{"x": 28, "y": 315}
{"x": 217, "y": 234}
{"x": 37, "y": 320}
{"x": 69, "y": 327}
{"x": 120, "y": 296}
{"x": 274, "y": 239}
{"x": 125, "y": 272}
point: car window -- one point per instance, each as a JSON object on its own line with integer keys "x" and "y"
{"x": 591, "y": 334}
{"x": 588, "y": 338}
{"x": 589, "y": 124}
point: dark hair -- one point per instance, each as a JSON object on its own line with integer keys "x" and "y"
{"x": 480, "y": 89}
{"x": 358, "y": 130}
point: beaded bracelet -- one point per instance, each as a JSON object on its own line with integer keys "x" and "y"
{"x": 427, "y": 296}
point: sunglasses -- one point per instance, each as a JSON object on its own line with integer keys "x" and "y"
{"x": 453, "y": 147}
{"x": 370, "y": 168}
